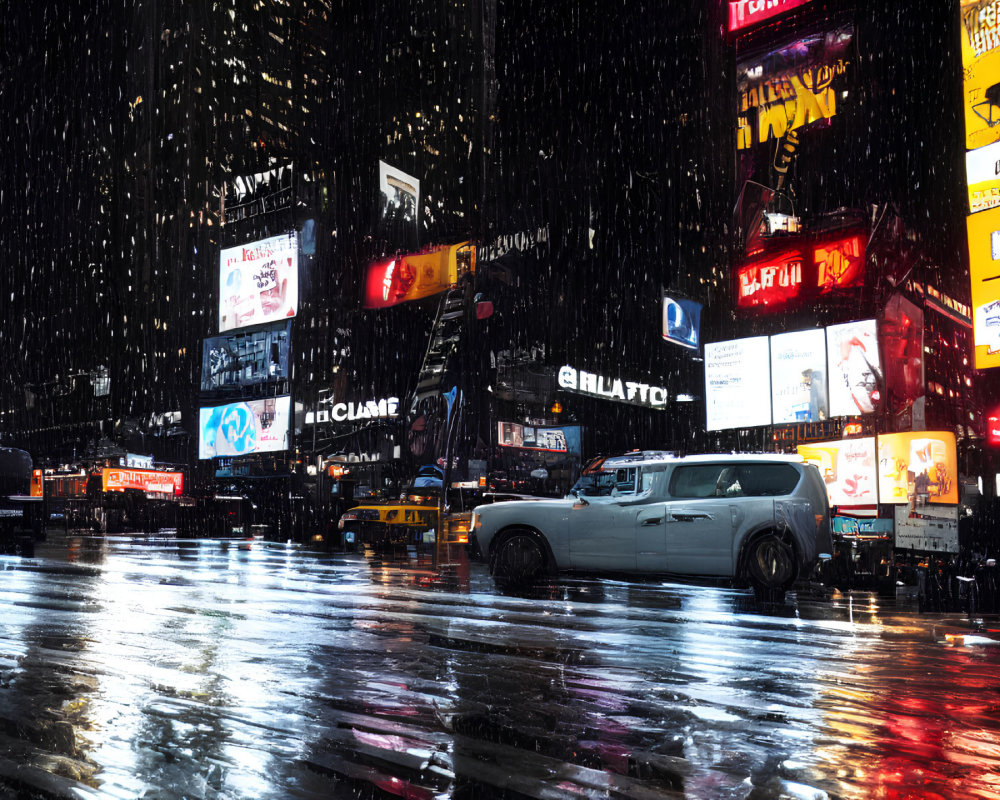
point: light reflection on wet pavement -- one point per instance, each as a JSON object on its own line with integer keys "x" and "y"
{"x": 155, "y": 668}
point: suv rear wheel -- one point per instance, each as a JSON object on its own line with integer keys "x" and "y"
{"x": 518, "y": 558}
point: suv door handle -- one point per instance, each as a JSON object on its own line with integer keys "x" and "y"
{"x": 652, "y": 520}
{"x": 688, "y": 516}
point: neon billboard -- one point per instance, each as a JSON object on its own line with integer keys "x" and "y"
{"x": 146, "y": 480}
{"x": 745, "y": 13}
{"x": 801, "y": 268}
{"x": 792, "y": 87}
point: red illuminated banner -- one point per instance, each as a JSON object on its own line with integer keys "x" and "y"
{"x": 117, "y": 480}
{"x": 993, "y": 428}
{"x": 744, "y": 13}
{"x": 772, "y": 280}
{"x": 840, "y": 263}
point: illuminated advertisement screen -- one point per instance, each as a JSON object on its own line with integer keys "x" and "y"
{"x": 745, "y": 13}
{"x": 798, "y": 377}
{"x": 737, "y": 383}
{"x": 980, "y": 34}
{"x": 116, "y": 479}
{"x": 917, "y": 467}
{"x": 245, "y": 358}
{"x": 563, "y": 439}
{"x": 983, "y": 177}
{"x": 681, "y": 321}
{"x": 770, "y": 280}
{"x": 848, "y": 469}
{"x": 984, "y": 273}
{"x": 259, "y": 282}
{"x": 237, "y": 429}
{"x": 795, "y": 86}
{"x": 392, "y": 281}
{"x": 854, "y": 368}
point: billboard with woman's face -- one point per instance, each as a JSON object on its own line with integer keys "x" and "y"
{"x": 855, "y": 368}
{"x": 259, "y": 282}
{"x": 238, "y": 429}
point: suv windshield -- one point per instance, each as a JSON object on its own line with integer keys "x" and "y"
{"x": 601, "y": 483}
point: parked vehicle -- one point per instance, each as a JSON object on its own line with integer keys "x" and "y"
{"x": 21, "y": 513}
{"x": 762, "y": 520}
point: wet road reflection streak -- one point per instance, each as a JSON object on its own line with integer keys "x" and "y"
{"x": 132, "y": 667}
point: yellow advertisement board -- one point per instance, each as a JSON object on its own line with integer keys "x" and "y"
{"x": 917, "y": 467}
{"x": 980, "y": 33}
{"x": 417, "y": 275}
{"x": 984, "y": 274}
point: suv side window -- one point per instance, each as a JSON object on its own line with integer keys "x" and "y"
{"x": 696, "y": 480}
{"x": 768, "y": 480}
{"x": 733, "y": 480}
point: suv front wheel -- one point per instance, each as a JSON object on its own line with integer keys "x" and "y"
{"x": 518, "y": 558}
{"x": 770, "y": 564}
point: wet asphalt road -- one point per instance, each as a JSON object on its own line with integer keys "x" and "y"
{"x": 153, "y": 668}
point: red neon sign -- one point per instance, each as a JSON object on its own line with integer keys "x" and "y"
{"x": 993, "y": 429}
{"x": 770, "y": 281}
{"x": 840, "y": 263}
{"x": 744, "y": 13}
{"x": 117, "y": 480}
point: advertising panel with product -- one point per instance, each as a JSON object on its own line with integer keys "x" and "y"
{"x": 737, "y": 383}
{"x": 854, "y": 368}
{"x": 237, "y": 429}
{"x": 982, "y": 176}
{"x": 848, "y": 468}
{"x": 792, "y": 87}
{"x": 392, "y": 281}
{"x": 245, "y": 358}
{"x": 681, "y": 321}
{"x": 798, "y": 377}
{"x": 259, "y": 282}
{"x": 554, "y": 439}
{"x": 980, "y": 35}
{"x": 984, "y": 274}
{"x": 114, "y": 479}
{"x": 917, "y": 467}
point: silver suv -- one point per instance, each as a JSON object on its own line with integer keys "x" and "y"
{"x": 763, "y": 520}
